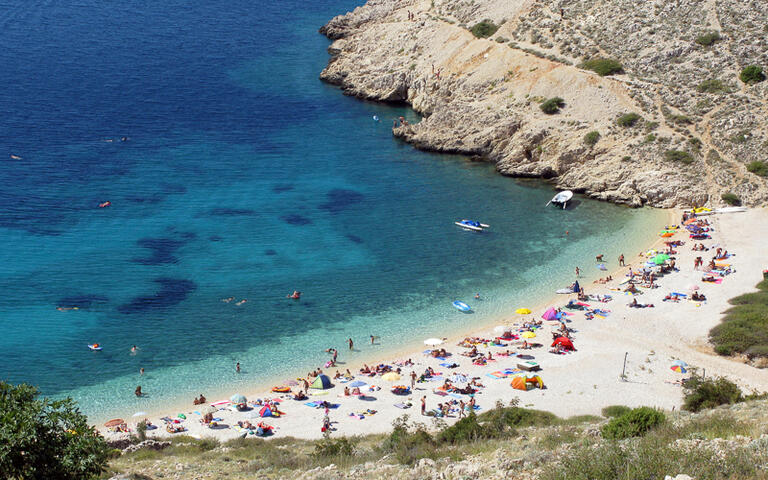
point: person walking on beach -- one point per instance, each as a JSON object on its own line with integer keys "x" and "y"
{"x": 461, "y": 408}
{"x": 237, "y": 367}
{"x": 621, "y": 260}
{"x": 424, "y": 405}
{"x": 351, "y": 344}
{"x": 413, "y": 380}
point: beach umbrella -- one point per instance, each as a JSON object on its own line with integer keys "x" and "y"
{"x": 290, "y": 383}
{"x": 139, "y": 414}
{"x": 680, "y": 362}
{"x": 114, "y": 422}
{"x": 550, "y": 314}
{"x": 210, "y": 409}
{"x": 238, "y": 398}
{"x": 432, "y": 341}
{"x": 391, "y": 376}
{"x": 658, "y": 260}
{"x": 522, "y": 311}
{"x": 357, "y": 383}
{"x": 502, "y": 329}
{"x": 678, "y": 369}
{"x": 458, "y": 378}
{"x": 693, "y": 287}
{"x": 528, "y": 335}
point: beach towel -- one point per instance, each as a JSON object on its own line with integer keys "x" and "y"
{"x": 402, "y": 405}
{"x": 449, "y": 365}
{"x": 442, "y": 394}
{"x": 313, "y": 404}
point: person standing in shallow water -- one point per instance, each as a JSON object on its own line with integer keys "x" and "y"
{"x": 237, "y": 367}
{"x": 621, "y": 260}
{"x": 351, "y": 344}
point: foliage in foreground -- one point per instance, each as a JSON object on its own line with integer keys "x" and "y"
{"x": 40, "y": 438}
{"x": 553, "y": 105}
{"x": 752, "y": 74}
{"x": 744, "y": 328}
{"x": 603, "y": 66}
{"x": 591, "y": 138}
{"x": 634, "y": 423}
{"x": 758, "y": 168}
{"x": 700, "y": 393}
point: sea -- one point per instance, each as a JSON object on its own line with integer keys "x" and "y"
{"x": 232, "y": 171}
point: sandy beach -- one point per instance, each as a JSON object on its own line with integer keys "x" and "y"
{"x": 579, "y": 382}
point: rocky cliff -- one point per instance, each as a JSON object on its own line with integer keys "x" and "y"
{"x": 698, "y": 130}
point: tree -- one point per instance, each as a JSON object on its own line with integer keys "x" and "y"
{"x": 45, "y": 439}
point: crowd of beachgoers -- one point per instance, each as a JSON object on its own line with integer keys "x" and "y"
{"x": 628, "y": 338}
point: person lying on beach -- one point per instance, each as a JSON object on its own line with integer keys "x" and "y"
{"x": 300, "y": 395}
{"x": 698, "y": 297}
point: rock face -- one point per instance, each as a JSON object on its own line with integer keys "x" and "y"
{"x": 699, "y": 126}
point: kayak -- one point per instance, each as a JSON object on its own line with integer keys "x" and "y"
{"x": 462, "y": 306}
{"x": 94, "y": 347}
{"x": 564, "y": 291}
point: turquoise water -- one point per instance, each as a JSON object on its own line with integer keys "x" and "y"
{"x": 243, "y": 176}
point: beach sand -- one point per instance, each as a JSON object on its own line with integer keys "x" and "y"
{"x": 581, "y": 382}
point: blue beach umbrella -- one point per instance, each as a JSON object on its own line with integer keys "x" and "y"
{"x": 238, "y": 398}
{"x": 680, "y": 362}
{"x": 358, "y": 383}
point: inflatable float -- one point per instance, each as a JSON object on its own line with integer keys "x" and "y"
{"x": 462, "y": 306}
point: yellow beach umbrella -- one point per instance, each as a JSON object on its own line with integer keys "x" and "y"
{"x": 391, "y": 376}
{"x": 528, "y": 335}
{"x": 522, "y": 311}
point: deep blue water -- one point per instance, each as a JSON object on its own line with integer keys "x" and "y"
{"x": 242, "y": 175}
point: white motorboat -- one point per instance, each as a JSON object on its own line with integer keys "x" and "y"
{"x": 562, "y": 198}
{"x": 472, "y": 225}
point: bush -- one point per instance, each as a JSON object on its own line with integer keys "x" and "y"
{"x": 334, "y": 448}
{"x": 700, "y": 393}
{"x": 603, "y": 66}
{"x": 679, "y": 156}
{"x": 467, "y": 430}
{"x": 745, "y": 325}
{"x": 731, "y": 199}
{"x": 40, "y": 438}
{"x": 712, "y": 86}
{"x": 409, "y": 443}
{"x": 591, "y": 138}
{"x": 752, "y": 74}
{"x": 758, "y": 168}
{"x": 628, "y": 120}
{"x": 141, "y": 430}
{"x": 634, "y": 423}
{"x": 517, "y": 417}
{"x": 484, "y": 29}
{"x": 615, "y": 411}
{"x": 553, "y": 105}
{"x": 708, "y": 39}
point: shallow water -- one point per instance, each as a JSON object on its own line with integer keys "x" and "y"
{"x": 243, "y": 176}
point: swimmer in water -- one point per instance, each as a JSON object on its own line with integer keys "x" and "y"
{"x": 228, "y": 299}
{"x": 477, "y": 296}
{"x": 133, "y": 349}
{"x": 141, "y": 371}
{"x": 295, "y": 295}
{"x": 241, "y": 302}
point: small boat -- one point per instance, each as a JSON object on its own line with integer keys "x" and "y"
{"x": 95, "y": 347}
{"x": 472, "y": 225}
{"x": 105, "y": 204}
{"x": 562, "y": 198}
{"x": 564, "y": 291}
{"x": 731, "y": 210}
{"x": 462, "y": 306}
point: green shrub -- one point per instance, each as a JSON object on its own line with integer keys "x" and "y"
{"x": 553, "y": 105}
{"x": 752, "y": 74}
{"x": 679, "y": 156}
{"x": 700, "y": 393}
{"x": 484, "y": 29}
{"x": 409, "y": 443}
{"x": 615, "y": 411}
{"x": 603, "y": 66}
{"x": 41, "y": 438}
{"x": 466, "y": 430}
{"x": 731, "y": 198}
{"x": 626, "y": 158}
{"x": 708, "y": 39}
{"x": 332, "y": 448}
{"x": 591, "y": 138}
{"x": 745, "y": 325}
{"x": 758, "y": 168}
{"x": 141, "y": 430}
{"x": 628, "y": 120}
{"x": 712, "y": 85}
{"x": 517, "y": 417}
{"x": 634, "y": 423}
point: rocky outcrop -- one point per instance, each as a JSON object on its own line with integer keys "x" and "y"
{"x": 482, "y": 97}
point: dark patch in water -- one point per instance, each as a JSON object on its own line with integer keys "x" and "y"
{"x": 232, "y": 212}
{"x": 282, "y": 188}
{"x": 152, "y": 199}
{"x": 215, "y": 238}
{"x": 172, "y": 292}
{"x": 270, "y": 252}
{"x": 171, "y": 188}
{"x": 188, "y": 235}
{"x": 81, "y": 301}
{"x": 294, "y": 219}
{"x": 340, "y": 199}
{"x": 355, "y": 238}
{"x": 162, "y": 251}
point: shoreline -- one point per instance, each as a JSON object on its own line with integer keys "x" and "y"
{"x": 412, "y": 350}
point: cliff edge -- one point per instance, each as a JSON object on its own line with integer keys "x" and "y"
{"x": 669, "y": 124}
